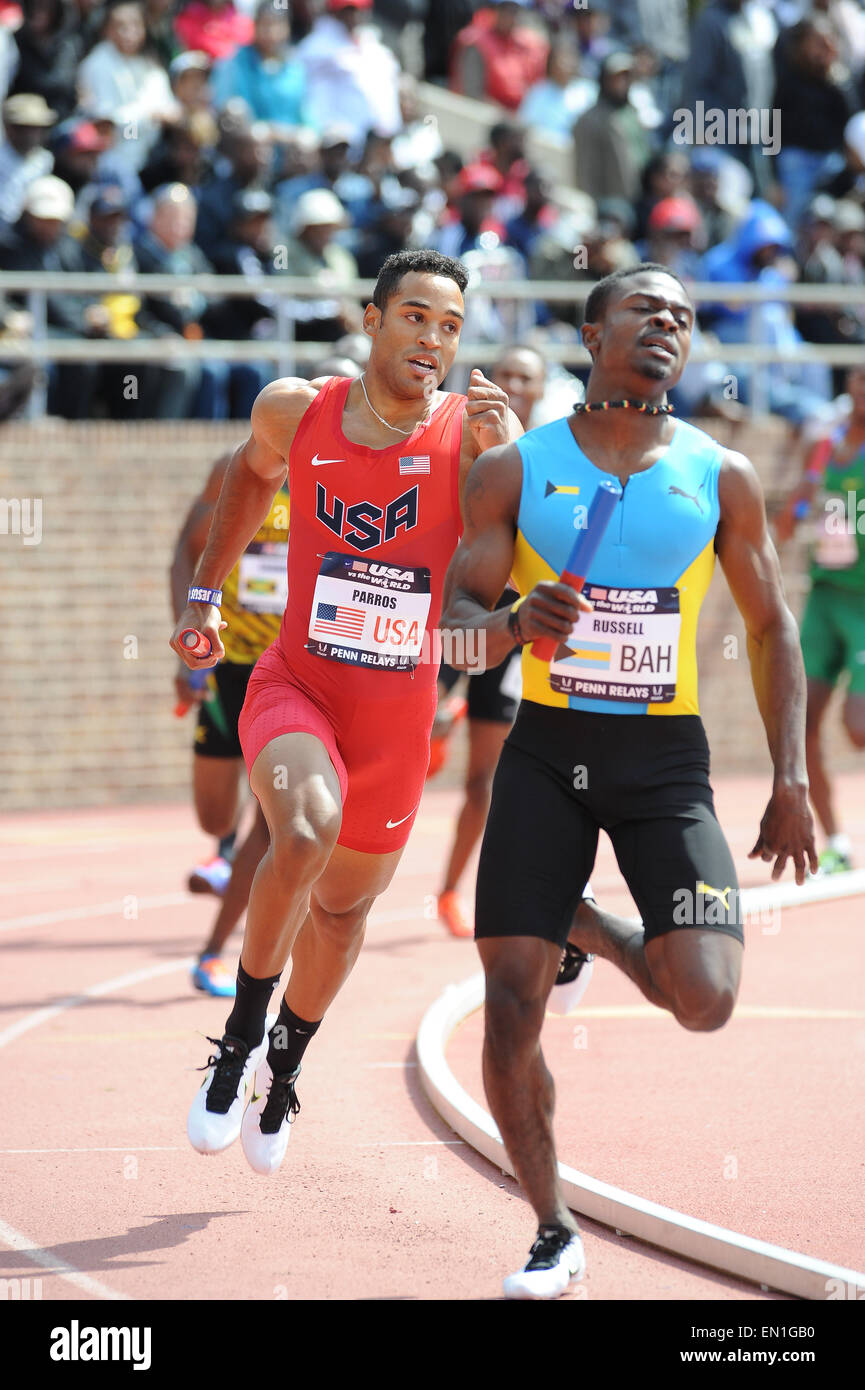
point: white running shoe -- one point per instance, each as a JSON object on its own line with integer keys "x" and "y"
{"x": 575, "y": 973}
{"x": 556, "y": 1260}
{"x": 266, "y": 1127}
{"x": 217, "y": 1110}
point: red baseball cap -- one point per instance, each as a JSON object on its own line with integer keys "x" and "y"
{"x": 479, "y": 178}
{"x": 674, "y": 215}
{"x": 349, "y": 5}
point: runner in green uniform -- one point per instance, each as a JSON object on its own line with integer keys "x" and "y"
{"x": 830, "y": 498}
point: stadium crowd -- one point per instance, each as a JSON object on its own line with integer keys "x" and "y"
{"x": 289, "y": 138}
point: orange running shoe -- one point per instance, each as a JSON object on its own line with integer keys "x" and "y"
{"x": 450, "y": 911}
{"x": 448, "y": 715}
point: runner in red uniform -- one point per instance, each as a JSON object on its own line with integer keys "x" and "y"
{"x": 335, "y": 728}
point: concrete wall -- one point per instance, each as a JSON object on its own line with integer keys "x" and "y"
{"x": 86, "y": 693}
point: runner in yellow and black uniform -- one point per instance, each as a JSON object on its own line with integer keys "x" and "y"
{"x": 254, "y": 597}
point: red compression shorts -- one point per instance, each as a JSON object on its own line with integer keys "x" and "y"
{"x": 379, "y": 748}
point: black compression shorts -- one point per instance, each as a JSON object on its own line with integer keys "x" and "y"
{"x": 563, "y": 776}
{"x": 486, "y": 699}
{"x": 216, "y": 728}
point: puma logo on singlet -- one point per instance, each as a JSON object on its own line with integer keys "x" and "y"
{"x": 679, "y": 492}
{"x": 719, "y": 893}
{"x": 357, "y": 524}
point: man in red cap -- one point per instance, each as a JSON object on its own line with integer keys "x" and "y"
{"x": 478, "y": 185}
{"x": 675, "y": 235}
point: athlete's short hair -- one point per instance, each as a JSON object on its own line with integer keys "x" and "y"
{"x": 596, "y": 304}
{"x": 423, "y": 260}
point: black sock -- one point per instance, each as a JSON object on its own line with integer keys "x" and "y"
{"x": 289, "y": 1039}
{"x": 226, "y": 847}
{"x": 248, "y": 1016}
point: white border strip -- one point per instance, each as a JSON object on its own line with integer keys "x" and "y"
{"x": 701, "y": 1241}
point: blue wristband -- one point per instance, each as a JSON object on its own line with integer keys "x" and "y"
{"x": 213, "y": 596}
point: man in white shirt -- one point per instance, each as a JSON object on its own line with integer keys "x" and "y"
{"x": 351, "y": 77}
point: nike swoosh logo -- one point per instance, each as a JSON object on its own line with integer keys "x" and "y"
{"x": 392, "y": 824}
{"x": 317, "y": 462}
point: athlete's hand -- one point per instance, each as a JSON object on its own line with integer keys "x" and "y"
{"x": 551, "y": 610}
{"x": 487, "y": 412}
{"x": 787, "y": 832}
{"x": 206, "y": 619}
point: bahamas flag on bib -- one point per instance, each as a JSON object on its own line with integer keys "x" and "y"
{"x": 636, "y": 652}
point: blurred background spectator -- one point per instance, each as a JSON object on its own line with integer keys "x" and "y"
{"x": 27, "y": 120}
{"x": 498, "y": 57}
{"x": 351, "y": 77}
{"x": 612, "y": 146}
{"x": 49, "y": 49}
{"x": 266, "y": 74}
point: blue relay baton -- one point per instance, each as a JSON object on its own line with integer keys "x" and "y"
{"x": 583, "y": 553}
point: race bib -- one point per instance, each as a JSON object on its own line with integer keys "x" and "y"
{"x": 626, "y": 649}
{"x": 369, "y": 614}
{"x": 835, "y": 545}
{"x": 262, "y": 585}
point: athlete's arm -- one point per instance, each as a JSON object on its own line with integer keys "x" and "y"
{"x": 804, "y": 491}
{"x": 257, "y": 469}
{"x": 750, "y": 564}
{"x": 193, "y": 535}
{"x": 479, "y": 570}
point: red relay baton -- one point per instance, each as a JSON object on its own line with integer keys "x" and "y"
{"x": 582, "y": 554}
{"x": 195, "y": 642}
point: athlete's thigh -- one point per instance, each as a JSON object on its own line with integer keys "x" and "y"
{"x": 297, "y": 785}
{"x": 352, "y": 877}
{"x": 690, "y": 963}
{"x": 537, "y": 852}
{"x": 680, "y": 873}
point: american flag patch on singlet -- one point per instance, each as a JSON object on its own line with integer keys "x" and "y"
{"x": 414, "y": 463}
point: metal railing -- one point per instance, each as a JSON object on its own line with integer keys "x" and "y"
{"x": 287, "y": 355}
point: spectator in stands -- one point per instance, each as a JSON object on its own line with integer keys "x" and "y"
{"x": 730, "y": 68}
{"x": 612, "y": 147}
{"x": 587, "y": 26}
{"x": 49, "y": 51}
{"x": 314, "y": 254}
{"x": 332, "y": 163}
{"x": 822, "y": 263}
{"x": 182, "y": 154}
{"x": 705, "y": 185}
{"x": 162, "y": 42}
{"x": 536, "y": 217}
{"x": 215, "y": 27}
{"x": 498, "y": 57}
{"x": 23, "y": 156}
{"x": 761, "y": 250}
{"x": 444, "y": 20}
{"x": 666, "y": 175}
{"x": 351, "y": 77}
{"x": 815, "y": 102}
{"x": 676, "y": 236}
{"x": 390, "y": 229}
{"x": 189, "y": 75}
{"x": 78, "y": 148}
{"x": 119, "y": 76}
{"x": 555, "y": 103}
{"x": 478, "y": 187}
{"x": 264, "y": 73}
{"x": 506, "y": 154}
{"x": 418, "y": 144}
{"x": 248, "y": 158}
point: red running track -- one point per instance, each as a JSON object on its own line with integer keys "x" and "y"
{"x": 377, "y": 1199}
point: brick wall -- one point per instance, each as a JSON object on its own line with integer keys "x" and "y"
{"x": 84, "y": 720}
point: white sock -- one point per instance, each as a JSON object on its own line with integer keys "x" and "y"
{"x": 840, "y": 843}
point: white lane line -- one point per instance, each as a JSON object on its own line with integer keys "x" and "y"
{"x": 46, "y": 1259}
{"x": 39, "y": 1016}
{"x": 116, "y": 1149}
{"x": 115, "y": 908}
{"x": 39, "y": 1255}
{"x": 414, "y": 1144}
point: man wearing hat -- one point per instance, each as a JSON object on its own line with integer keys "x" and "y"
{"x": 611, "y": 145}
{"x": 478, "y": 186}
{"x": 27, "y": 118}
{"x": 314, "y": 253}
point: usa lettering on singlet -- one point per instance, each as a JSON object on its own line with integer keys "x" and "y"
{"x": 371, "y": 536}
{"x": 635, "y": 653}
